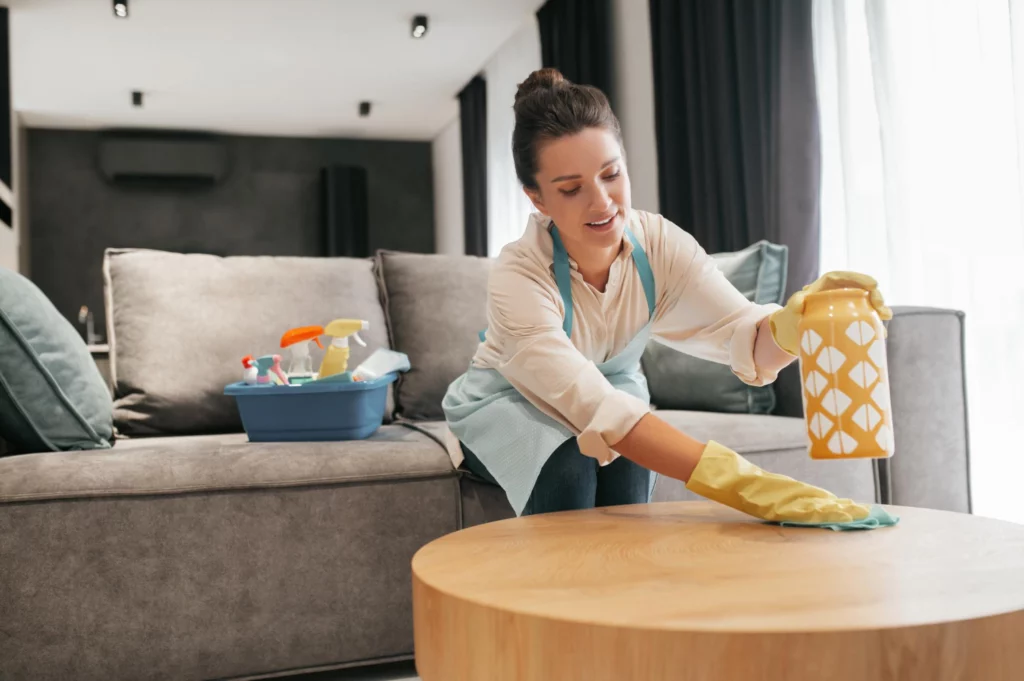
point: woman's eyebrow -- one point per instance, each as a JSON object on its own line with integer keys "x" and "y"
{"x": 563, "y": 178}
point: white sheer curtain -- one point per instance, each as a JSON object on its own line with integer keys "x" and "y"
{"x": 922, "y": 122}
{"x": 507, "y": 207}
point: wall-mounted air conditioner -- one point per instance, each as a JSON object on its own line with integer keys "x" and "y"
{"x": 162, "y": 159}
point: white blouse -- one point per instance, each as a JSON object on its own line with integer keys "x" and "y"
{"x": 698, "y": 312}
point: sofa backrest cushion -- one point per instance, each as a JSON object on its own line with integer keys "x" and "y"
{"x": 436, "y": 305}
{"x": 52, "y": 395}
{"x": 679, "y": 381}
{"x": 179, "y": 326}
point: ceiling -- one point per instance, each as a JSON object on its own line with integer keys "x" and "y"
{"x": 269, "y": 67}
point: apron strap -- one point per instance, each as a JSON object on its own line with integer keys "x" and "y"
{"x": 643, "y": 268}
{"x": 563, "y": 277}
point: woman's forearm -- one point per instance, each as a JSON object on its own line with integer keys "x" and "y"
{"x": 658, "y": 446}
{"x": 664, "y": 449}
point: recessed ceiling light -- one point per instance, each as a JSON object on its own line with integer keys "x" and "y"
{"x": 419, "y": 25}
{"x": 121, "y": 9}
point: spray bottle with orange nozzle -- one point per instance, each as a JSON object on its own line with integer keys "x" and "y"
{"x": 300, "y": 365}
{"x": 336, "y": 358}
{"x": 251, "y": 371}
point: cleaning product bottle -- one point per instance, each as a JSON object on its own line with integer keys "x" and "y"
{"x": 250, "y": 373}
{"x": 300, "y": 365}
{"x": 269, "y": 370}
{"x": 336, "y": 357}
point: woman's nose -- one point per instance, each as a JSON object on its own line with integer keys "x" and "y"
{"x": 602, "y": 200}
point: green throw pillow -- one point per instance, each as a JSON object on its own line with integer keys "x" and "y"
{"x": 679, "y": 381}
{"x": 52, "y": 395}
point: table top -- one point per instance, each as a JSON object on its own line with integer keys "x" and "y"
{"x": 701, "y": 567}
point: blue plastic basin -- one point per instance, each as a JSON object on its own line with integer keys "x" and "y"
{"x": 312, "y": 412}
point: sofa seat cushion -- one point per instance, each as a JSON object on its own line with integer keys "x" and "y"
{"x": 776, "y": 443}
{"x": 745, "y": 433}
{"x": 155, "y": 466}
{"x": 179, "y": 326}
{"x": 214, "y": 557}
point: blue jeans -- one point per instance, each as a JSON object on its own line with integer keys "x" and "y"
{"x": 571, "y": 480}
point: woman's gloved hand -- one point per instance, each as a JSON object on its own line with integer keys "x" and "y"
{"x": 724, "y": 476}
{"x": 785, "y": 323}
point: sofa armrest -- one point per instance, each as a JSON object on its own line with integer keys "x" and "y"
{"x": 931, "y": 467}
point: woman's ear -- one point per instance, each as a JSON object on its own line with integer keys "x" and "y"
{"x": 536, "y": 200}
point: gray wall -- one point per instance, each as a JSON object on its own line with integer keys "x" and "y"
{"x": 269, "y": 204}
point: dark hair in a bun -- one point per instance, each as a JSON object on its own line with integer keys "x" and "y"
{"x": 549, "y": 106}
{"x": 541, "y": 79}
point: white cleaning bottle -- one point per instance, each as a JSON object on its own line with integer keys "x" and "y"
{"x": 300, "y": 364}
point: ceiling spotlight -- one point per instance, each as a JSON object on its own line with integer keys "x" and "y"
{"x": 364, "y": 109}
{"x": 137, "y": 98}
{"x": 419, "y": 25}
{"x": 121, "y": 9}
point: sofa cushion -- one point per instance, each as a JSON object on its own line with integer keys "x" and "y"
{"x": 52, "y": 396}
{"x": 436, "y": 306}
{"x": 679, "y": 381}
{"x": 171, "y": 465}
{"x": 776, "y": 443}
{"x": 214, "y": 558}
{"x": 179, "y": 325}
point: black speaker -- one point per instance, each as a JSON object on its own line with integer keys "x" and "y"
{"x": 346, "y": 224}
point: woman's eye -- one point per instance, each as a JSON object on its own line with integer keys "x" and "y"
{"x": 613, "y": 175}
{"x": 570, "y": 192}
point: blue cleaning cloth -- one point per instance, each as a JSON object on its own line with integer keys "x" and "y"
{"x": 878, "y": 517}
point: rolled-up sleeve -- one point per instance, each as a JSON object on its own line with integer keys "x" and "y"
{"x": 540, "y": 361}
{"x": 699, "y": 311}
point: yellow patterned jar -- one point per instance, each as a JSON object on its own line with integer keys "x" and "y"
{"x": 845, "y": 377}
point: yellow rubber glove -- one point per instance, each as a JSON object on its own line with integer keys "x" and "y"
{"x": 786, "y": 322}
{"x": 724, "y": 476}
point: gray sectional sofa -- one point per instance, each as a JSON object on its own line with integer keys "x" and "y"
{"x": 185, "y": 552}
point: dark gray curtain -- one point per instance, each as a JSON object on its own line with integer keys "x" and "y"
{"x": 473, "y": 117}
{"x": 6, "y": 170}
{"x": 737, "y": 124}
{"x": 576, "y": 39}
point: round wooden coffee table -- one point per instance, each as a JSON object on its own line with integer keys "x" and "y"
{"x": 695, "y": 591}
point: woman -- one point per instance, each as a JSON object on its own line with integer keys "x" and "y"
{"x": 554, "y": 408}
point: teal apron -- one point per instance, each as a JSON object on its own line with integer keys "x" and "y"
{"x": 513, "y": 438}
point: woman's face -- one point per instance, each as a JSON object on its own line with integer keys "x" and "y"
{"x": 583, "y": 187}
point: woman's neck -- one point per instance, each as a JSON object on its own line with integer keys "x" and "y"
{"x": 595, "y": 264}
